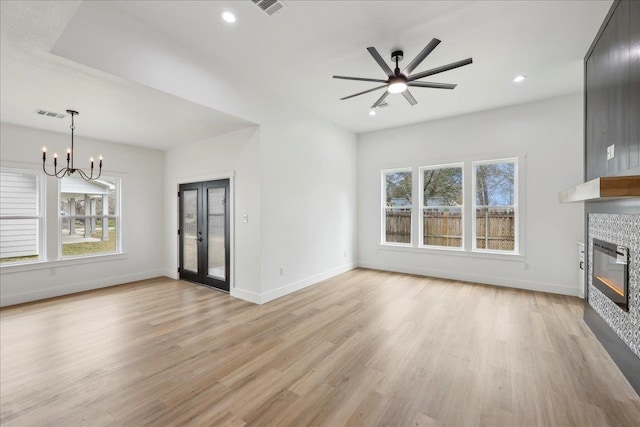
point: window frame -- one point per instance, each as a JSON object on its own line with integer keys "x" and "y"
{"x": 117, "y": 216}
{"x": 421, "y": 209}
{"x": 383, "y": 208}
{"x": 40, "y": 216}
{"x": 516, "y": 206}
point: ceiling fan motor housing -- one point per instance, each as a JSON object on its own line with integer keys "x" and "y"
{"x": 397, "y": 55}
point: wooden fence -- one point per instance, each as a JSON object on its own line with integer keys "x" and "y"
{"x": 494, "y": 229}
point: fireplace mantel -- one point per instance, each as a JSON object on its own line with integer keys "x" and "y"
{"x": 603, "y": 188}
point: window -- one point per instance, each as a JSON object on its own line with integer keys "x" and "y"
{"x": 443, "y": 217}
{"x": 89, "y": 216}
{"x": 397, "y": 204}
{"x": 20, "y": 217}
{"x": 495, "y": 205}
{"x": 442, "y": 206}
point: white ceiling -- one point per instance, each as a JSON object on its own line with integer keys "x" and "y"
{"x": 294, "y": 53}
{"x": 110, "y": 108}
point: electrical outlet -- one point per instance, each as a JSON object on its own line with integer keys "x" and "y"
{"x": 282, "y": 271}
{"x": 52, "y": 271}
{"x": 245, "y": 218}
{"x": 611, "y": 151}
{"x": 345, "y": 254}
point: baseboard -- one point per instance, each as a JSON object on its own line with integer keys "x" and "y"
{"x": 40, "y": 294}
{"x": 173, "y": 274}
{"x": 291, "y": 287}
{"x": 553, "y": 288}
{"x": 245, "y": 295}
{"x": 624, "y": 358}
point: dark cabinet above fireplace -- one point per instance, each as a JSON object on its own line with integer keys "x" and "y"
{"x": 612, "y": 96}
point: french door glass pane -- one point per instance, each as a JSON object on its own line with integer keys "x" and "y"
{"x": 190, "y": 230}
{"x": 215, "y": 224}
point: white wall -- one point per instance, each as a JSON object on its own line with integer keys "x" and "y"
{"x": 141, "y": 171}
{"x": 308, "y": 203}
{"x": 237, "y": 156}
{"x": 550, "y": 132}
{"x": 296, "y": 181}
{"x": 307, "y": 188}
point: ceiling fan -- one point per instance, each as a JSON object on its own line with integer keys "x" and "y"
{"x": 399, "y": 81}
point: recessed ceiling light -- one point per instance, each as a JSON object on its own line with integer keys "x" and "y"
{"x": 372, "y": 112}
{"x": 228, "y": 17}
{"x": 519, "y": 78}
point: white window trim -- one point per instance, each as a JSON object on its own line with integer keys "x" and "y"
{"x": 421, "y": 170}
{"x": 42, "y": 206}
{"x": 118, "y": 216}
{"x": 383, "y": 208}
{"x": 467, "y": 250}
{"x": 516, "y": 206}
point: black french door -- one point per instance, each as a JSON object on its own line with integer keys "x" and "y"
{"x": 204, "y": 233}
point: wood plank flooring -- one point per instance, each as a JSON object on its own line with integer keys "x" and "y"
{"x": 365, "y": 348}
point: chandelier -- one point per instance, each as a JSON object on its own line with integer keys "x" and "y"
{"x": 70, "y": 169}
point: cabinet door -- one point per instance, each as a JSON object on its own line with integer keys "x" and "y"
{"x": 597, "y": 107}
{"x": 618, "y": 89}
{"x": 634, "y": 81}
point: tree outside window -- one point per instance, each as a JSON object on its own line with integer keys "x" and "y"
{"x": 442, "y": 206}
{"x": 398, "y": 206}
{"x": 495, "y": 205}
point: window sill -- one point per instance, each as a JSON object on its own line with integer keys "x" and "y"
{"x": 454, "y": 252}
{"x": 41, "y": 265}
{"x": 396, "y": 245}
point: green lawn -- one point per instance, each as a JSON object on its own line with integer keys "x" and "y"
{"x": 19, "y": 259}
{"x": 76, "y": 249}
{"x": 87, "y": 248}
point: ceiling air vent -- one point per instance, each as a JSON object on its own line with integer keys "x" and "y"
{"x": 50, "y": 114}
{"x": 269, "y": 6}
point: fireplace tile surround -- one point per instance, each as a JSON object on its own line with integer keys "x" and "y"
{"x": 620, "y": 229}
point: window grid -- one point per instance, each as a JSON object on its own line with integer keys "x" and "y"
{"x": 397, "y": 212}
{"x": 447, "y": 237}
{"x": 505, "y": 224}
{"x": 21, "y": 217}
{"x": 88, "y": 233}
{"x": 503, "y": 218}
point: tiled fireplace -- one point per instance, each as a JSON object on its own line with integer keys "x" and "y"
{"x": 620, "y": 231}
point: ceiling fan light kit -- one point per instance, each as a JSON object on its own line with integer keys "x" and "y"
{"x": 399, "y": 81}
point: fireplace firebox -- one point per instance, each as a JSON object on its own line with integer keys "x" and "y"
{"x": 611, "y": 271}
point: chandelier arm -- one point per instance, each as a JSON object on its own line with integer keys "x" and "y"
{"x": 70, "y": 169}
{"x": 44, "y": 169}
{"x": 83, "y": 175}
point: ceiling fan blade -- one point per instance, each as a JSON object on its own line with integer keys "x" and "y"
{"x": 362, "y": 79}
{"x": 421, "y": 56}
{"x": 432, "y": 85}
{"x": 362, "y": 93}
{"x": 380, "y": 61}
{"x": 440, "y": 69}
{"x": 407, "y": 95}
{"x": 381, "y": 99}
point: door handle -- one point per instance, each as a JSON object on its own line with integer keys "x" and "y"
{"x": 581, "y": 265}
{"x": 199, "y": 239}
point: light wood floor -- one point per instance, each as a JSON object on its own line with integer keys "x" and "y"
{"x": 364, "y": 348}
